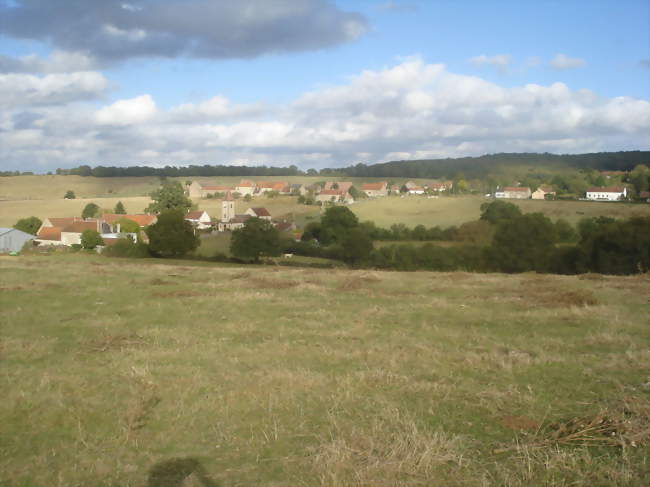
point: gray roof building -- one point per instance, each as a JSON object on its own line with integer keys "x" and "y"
{"x": 12, "y": 240}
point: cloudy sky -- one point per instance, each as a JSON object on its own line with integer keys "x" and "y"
{"x": 318, "y": 83}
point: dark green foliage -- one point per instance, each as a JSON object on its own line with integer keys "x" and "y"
{"x": 618, "y": 247}
{"x": 90, "y": 211}
{"x": 312, "y": 231}
{"x": 524, "y": 243}
{"x": 91, "y": 239}
{"x": 119, "y": 209}
{"x": 172, "y": 235}
{"x": 640, "y": 178}
{"x": 499, "y": 210}
{"x": 28, "y": 225}
{"x": 257, "y": 238}
{"x": 125, "y": 247}
{"x": 336, "y": 223}
{"x": 170, "y": 196}
{"x": 69, "y": 195}
{"x": 356, "y": 246}
{"x": 564, "y": 231}
{"x": 406, "y": 257}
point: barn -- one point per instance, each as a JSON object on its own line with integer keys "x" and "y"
{"x": 12, "y": 240}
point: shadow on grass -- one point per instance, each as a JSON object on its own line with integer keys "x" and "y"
{"x": 174, "y": 472}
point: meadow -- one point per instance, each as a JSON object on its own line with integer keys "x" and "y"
{"x": 154, "y": 372}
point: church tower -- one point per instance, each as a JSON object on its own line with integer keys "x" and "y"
{"x": 227, "y": 208}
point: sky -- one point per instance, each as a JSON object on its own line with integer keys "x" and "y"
{"x": 318, "y": 83}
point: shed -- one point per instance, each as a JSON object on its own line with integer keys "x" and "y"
{"x": 12, "y": 240}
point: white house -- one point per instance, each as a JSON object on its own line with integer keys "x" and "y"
{"x": 514, "y": 192}
{"x": 199, "y": 218}
{"x": 374, "y": 190}
{"x": 612, "y": 193}
{"x": 262, "y": 213}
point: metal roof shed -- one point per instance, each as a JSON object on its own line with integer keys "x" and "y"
{"x": 12, "y": 240}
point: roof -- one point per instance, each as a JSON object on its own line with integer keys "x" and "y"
{"x": 343, "y": 186}
{"x": 229, "y": 197}
{"x": 194, "y": 215}
{"x": 240, "y": 219}
{"x": 331, "y": 192}
{"x": 644, "y": 194}
{"x": 546, "y": 188}
{"x": 80, "y": 226}
{"x": 516, "y": 188}
{"x": 49, "y": 233}
{"x": 245, "y": 183}
{"x": 216, "y": 188}
{"x": 4, "y": 231}
{"x": 140, "y": 219}
{"x": 605, "y": 189}
{"x": 261, "y": 211}
{"x": 284, "y": 226}
{"x": 373, "y": 186}
{"x": 274, "y": 185}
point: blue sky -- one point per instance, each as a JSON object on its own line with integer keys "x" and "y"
{"x": 318, "y": 82}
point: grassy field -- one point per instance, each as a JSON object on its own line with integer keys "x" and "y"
{"x": 447, "y": 211}
{"x": 134, "y": 373}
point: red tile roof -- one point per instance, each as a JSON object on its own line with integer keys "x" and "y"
{"x": 373, "y": 186}
{"x": 516, "y": 188}
{"x": 245, "y": 183}
{"x": 216, "y": 188}
{"x": 343, "y": 186}
{"x": 62, "y": 222}
{"x": 49, "y": 233}
{"x": 194, "y": 215}
{"x": 80, "y": 226}
{"x": 605, "y": 189}
{"x": 644, "y": 194}
{"x": 229, "y": 197}
{"x": 141, "y": 219}
{"x": 261, "y": 211}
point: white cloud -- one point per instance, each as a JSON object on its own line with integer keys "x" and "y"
{"x": 561, "y": 62}
{"x": 127, "y": 112}
{"x": 500, "y": 61}
{"x": 53, "y": 89}
{"x": 410, "y": 110}
{"x": 57, "y": 62}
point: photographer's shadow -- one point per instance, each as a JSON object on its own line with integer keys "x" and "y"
{"x": 174, "y": 473}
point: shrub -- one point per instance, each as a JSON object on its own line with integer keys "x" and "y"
{"x": 91, "y": 239}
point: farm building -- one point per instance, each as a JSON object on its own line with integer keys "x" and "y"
{"x": 514, "y": 192}
{"x": 541, "y": 192}
{"x": 199, "y": 219}
{"x": 611, "y": 193}
{"x": 375, "y": 189}
{"x": 12, "y": 240}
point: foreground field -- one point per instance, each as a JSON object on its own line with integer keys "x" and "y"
{"x": 136, "y": 373}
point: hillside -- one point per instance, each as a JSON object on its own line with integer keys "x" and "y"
{"x": 120, "y": 372}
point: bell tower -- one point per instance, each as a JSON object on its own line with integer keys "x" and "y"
{"x": 227, "y": 208}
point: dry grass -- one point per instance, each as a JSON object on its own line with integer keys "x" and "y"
{"x": 274, "y": 376}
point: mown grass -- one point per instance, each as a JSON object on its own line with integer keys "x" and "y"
{"x": 133, "y": 373}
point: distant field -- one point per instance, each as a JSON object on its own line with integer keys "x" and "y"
{"x": 13, "y": 210}
{"x": 117, "y": 372}
{"x": 447, "y": 211}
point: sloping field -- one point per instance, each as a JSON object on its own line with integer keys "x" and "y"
{"x": 447, "y": 211}
{"x": 135, "y": 373}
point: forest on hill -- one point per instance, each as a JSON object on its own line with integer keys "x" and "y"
{"x": 470, "y": 167}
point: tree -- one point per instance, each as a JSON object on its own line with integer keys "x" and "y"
{"x": 170, "y": 196}
{"x": 28, "y": 225}
{"x": 524, "y": 243}
{"x": 91, "y": 239}
{"x": 172, "y": 235}
{"x": 90, "y": 211}
{"x": 564, "y": 231}
{"x": 119, "y": 209}
{"x": 335, "y": 224}
{"x": 128, "y": 226}
{"x": 640, "y": 178}
{"x": 356, "y": 246}
{"x": 69, "y": 195}
{"x": 255, "y": 239}
{"x": 498, "y": 210}
{"x": 248, "y": 197}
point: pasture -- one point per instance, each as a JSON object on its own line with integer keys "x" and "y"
{"x": 148, "y": 372}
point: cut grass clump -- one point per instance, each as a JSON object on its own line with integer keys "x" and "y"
{"x": 116, "y": 342}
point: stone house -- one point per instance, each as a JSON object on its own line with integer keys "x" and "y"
{"x": 541, "y": 192}
{"x": 374, "y": 190}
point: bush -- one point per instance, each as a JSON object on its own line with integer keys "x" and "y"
{"x": 125, "y": 247}
{"x": 28, "y": 225}
{"x": 69, "y": 195}
{"x": 172, "y": 235}
{"x": 91, "y": 239}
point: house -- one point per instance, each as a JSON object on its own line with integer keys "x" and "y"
{"x": 394, "y": 189}
{"x": 410, "y": 184}
{"x": 262, "y": 213}
{"x": 611, "y": 193}
{"x": 334, "y": 196}
{"x": 645, "y": 195}
{"x": 514, "y": 192}
{"x": 299, "y": 189}
{"x": 415, "y": 189}
{"x": 374, "y": 190}
{"x": 141, "y": 219}
{"x": 438, "y": 186}
{"x": 199, "y": 219}
{"x": 198, "y": 190}
{"x": 12, "y": 240}
{"x": 541, "y": 192}
{"x": 285, "y": 226}
{"x": 245, "y": 187}
{"x": 67, "y": 231}
{"x": 342, "y": 186}
{"x": 279, "y": 186}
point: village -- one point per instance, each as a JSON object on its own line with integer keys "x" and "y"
{"x": 67, "y": 231}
